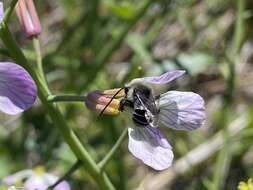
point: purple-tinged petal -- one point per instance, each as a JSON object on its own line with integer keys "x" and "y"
{"x": 181, "y": 110}
{"x": 17, "y": 177}
{"x": 52, "y": 179}
{"x": 149, "y": 145}
{"x": 35, "y": 183}
{"x": 42, "y": 182}
{"x": 18, "y": 91}
{"x": 97, "y": 101}
{"x": 1, "y": 11}
{"x": 159, "y": 80}
{"x": 158, "y": 137}
{"x": 158, "y": 84}
{"x": 62, "y": 186}
{"x": 165, "y": 78}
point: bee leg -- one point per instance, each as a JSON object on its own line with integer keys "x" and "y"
{"x": 124, "y": 102}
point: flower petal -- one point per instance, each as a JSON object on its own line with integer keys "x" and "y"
{"x": 17, "y": 177}
{"x": 62, "y": 186}
{"x": 97, "y": 101}
{"x": 35, "y": 183}
{"x": 165, "y": 78}
{"x": 181, "y": 110}
{"x": 149, "y": 145}
{"x": 18, "y": 91}
{"x": 52, "y": 179}
{"x": 158, "y": 84}
{"x": 42, "y": 182}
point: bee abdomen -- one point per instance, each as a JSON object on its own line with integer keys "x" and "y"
{"x": 139, "y": 117}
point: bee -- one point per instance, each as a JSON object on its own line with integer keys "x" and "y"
{"x": 141, "y": 102}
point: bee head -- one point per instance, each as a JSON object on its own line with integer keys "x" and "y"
{"x": 136, "y": 86}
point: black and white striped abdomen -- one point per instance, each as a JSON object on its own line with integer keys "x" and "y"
{"x": 139, "y": 118}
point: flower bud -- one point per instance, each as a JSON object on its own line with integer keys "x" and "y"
{"x": 28, "y": 18}
{"x": 98, "y": 100}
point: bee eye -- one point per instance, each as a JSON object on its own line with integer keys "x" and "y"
{"x": 126, "y": 90}
{"x": 147, "y": 92}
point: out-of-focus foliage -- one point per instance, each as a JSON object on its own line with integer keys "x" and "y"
{"x": 94, "y": 44}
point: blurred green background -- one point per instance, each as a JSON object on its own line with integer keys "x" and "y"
{"x": 93, "y": 44}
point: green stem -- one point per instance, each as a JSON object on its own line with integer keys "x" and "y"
{"x": 9, "y": 11}
{"x": 36, "y": 45}
{"x": 66, "y": 98}
{"x": 116, "y": 146}
{"x": 69, "y": 136}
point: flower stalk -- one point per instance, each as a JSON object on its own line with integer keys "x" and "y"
{"x": 66, "y": 98}
{"x": 36, "y": 45}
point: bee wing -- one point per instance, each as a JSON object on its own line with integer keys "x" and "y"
{"x": 150, "y": 146}
{"x": 148, "y": 103}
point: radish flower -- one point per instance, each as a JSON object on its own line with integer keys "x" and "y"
{"x": 151, "y": 106}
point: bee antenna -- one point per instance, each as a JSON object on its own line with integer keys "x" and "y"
{"x": 101, "y": 113}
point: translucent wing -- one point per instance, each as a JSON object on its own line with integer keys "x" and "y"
{"x": 147, "y": 103}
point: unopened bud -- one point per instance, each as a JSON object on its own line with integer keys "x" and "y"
{"x": 28, "y": 18}
{"x": 98, "y": 100}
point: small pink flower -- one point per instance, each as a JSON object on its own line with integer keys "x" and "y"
{"x": 28, "y": 18}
